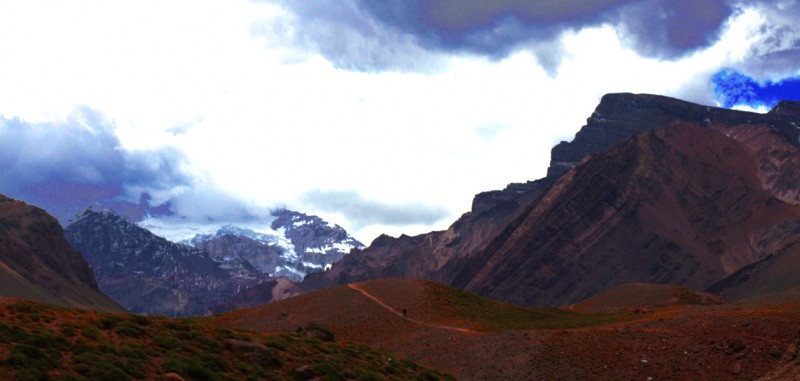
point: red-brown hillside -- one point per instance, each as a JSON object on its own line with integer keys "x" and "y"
{"x": 476, "y": 338}
{"x": 644, "y": 297}
{"x": 37, "y": 262}
{"x": 678, "y": 205}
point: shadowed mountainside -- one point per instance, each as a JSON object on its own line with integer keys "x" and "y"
{"x": 148, "y": 274}
{"x": 37, "y": 263}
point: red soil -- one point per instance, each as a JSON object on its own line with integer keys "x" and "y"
{"x": 398, "y": 313}
{"x": 730, "y": 342}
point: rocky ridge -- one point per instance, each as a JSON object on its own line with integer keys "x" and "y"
{"x": 693, "y": 189}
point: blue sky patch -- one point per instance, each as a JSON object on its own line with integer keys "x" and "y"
{"x": 734, "y": 89}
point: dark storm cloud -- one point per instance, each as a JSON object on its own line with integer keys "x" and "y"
{"x": 375, "y": 35}
{"x": 670, "y": 28}
{"x": 349, "y": 36}
{"x": 69, "y": 165}
{"x": 363, "y": 212}
{"x": 488, "y": 27}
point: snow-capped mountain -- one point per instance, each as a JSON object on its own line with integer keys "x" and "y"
{"x": 274, "y": 239}
{"x": 146, "y": 273}
{"x": 296, "y": 245}
{"x": 312, "y": 235}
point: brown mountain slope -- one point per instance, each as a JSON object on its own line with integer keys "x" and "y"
{"x": 689, "y": 204}
{"x": 773, "y": 274}
{"x": 433, "y": 255}
{"x": 676, "y": 205}
{"x": 37, "y": 262}
{"x": 644, "y": 297}
{"x": 476, "y": 338}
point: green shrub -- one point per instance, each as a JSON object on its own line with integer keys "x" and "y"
{"x": 67, "y": 330}
{"x": 328, "y": 371}
{"x": 277, "y": 342}
{"x": 11, "y": 334}
{"x": 30, "y": 374}
{"x": 128, "y": 329}
{"x": 108, "y": 322}
{"x": 166, "y": 342}
{"x": 44, "y": 339}
{"x": 135, "y": 367}
{"x": 102, "y": 371}
{"x": 132, "y": 349}
{"x": 192, "y": 368}
{"x": 213, "y": 362}
{"x": 92, "y": 333}
{"x": 371, "y": 376}
{"x": 140, "y": 320}
{"x": 30, "y": 363}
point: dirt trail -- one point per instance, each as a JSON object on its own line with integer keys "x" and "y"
{"x": 398, "y": 313}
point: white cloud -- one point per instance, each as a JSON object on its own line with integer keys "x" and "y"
{"x": 263, "y": 121}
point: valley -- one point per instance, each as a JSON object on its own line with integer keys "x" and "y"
{"x": 662, "y": 244}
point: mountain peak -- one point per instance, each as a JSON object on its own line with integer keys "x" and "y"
{"x": 622, "y": 115}
{"x": 786, "y": 107}
{"x": 94, "y": 211}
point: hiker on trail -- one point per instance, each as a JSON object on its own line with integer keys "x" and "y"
{"x": 405, "y": 312}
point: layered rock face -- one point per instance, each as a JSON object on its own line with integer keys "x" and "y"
{"x": 688, "y": 195}
{"x": 36, "y": 262}
{"x": 676, "y": 205}
{"x": 148, "y": 274}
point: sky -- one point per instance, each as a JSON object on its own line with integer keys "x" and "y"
{"x": 380, "y": 116}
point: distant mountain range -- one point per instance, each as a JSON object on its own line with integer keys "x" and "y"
{"x": 149, "y": 274}
{"x": 652, "y": 190}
